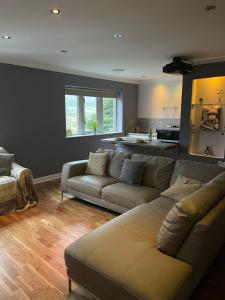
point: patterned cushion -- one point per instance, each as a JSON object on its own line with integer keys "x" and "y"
{"x": 183, "y": 187}
{"x": 6, "y": 163}
{"x": 2, "y": 150}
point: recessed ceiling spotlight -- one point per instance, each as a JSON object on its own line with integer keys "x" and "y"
{"x": 118, "y": 35}
{"x": 6, "y": 37}
{"x": 118, "y": 70}
{"x": 55, "y": 11}
{"x": 210, "y": 7}
{"x": 64, "y": 51}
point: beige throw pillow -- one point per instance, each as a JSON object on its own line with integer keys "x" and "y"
{"x": 185, "y": 213}
{"x": 183, "y": 187}
{"x": 97, "y": 164}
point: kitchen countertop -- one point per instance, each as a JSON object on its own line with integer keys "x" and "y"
{"x": 154, "y": 143}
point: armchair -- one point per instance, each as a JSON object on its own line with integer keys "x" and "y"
{"x": 17, "y": 190}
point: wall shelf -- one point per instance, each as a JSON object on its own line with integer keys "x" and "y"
{"x": 207, "y": 119}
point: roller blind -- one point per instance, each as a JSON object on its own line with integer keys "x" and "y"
{"x": 91, "y": 92}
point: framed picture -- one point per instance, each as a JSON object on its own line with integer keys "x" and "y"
{"x": 210, "y": 118}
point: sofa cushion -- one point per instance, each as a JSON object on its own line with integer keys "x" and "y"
{"x": 111, "y": 258}
{"x": 6, "y": 161}
{"x": 90, "y": 184}
{"x": 115, "y": 162}
{"x": 129, "y": 196}
{"x": 183, "y": 187}
{"x": 132, "y": 171}
{"x": 158, "y": 171}
{"x": 96, "y": 164}
{"x": 197, "y": 170}
{"x": 185, "y": 213}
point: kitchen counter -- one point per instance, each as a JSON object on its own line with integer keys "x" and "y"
{"x": 149, "y": 144}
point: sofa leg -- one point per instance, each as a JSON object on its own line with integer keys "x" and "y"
{"x": 62, "y": 196}
{"x": 69, "y": 285}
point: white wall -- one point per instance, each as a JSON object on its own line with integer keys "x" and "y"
{"x": 154, "y": 96}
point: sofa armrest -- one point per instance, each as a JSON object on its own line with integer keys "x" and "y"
{"x": 71, "y": 169}
{"x": 17, "y": 171}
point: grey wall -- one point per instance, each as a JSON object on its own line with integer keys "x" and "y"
{"x": 201, "y": 71}
{"x": 32, "y": 116}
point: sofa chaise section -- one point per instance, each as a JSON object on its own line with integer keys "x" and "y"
{"x": 119, "y": 260}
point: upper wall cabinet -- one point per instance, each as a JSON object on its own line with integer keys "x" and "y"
{"x": 207, "y": 121}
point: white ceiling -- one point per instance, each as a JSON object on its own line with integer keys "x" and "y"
{"x": 153, "y": 31}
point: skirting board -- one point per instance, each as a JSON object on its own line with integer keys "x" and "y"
{"x": 47, "y": 178}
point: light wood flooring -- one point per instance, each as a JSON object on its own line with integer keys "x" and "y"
{"x": 32, "y": 244}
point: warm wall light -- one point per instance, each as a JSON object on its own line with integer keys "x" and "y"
{"x": 55, "y": 11}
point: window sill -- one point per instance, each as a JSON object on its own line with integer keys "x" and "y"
{"x": 92, "y": 134}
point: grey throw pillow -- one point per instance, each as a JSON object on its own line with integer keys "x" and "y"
{"x": 6, "y": 161}
{"x": 132, "y": 171}
{"x": 115, "y": 162}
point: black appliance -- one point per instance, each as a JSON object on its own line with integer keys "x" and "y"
{"x": 168, "y": 135}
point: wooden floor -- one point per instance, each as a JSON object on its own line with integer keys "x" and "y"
{"x": 32, "y": 243}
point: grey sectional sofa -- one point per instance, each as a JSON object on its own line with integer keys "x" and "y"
{"x": 120, "y": 259}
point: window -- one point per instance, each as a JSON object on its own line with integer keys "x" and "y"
{"x": 71, "y": 114}
{"x": 92, "y": 111}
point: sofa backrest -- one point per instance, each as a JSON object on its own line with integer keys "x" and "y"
{"x": 158, "y": 171}
{"x": 197, "y": 170}
{"x": 115, "y": 162}
{"x": 204, "y": 240}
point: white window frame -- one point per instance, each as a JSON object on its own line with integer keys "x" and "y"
{"x": 118, "y": 110}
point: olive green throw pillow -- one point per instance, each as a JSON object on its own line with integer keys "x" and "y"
{"x": 188, "y": 211}
{"x": 97, "y": 164}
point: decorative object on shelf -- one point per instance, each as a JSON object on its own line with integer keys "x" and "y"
{"x": 200, "y": 101}
{"x": 150, "y": 134}
{"x": 210, "y": 118}
{"x": 207, "y": 151}
{"x": 207, "y": 117}
{"x": 137, "y": 130}
{"x": 219, "y": 93}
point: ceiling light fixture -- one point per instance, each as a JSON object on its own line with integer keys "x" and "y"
{"x": 6, "y": 37}
{"x": 210, "y": 7}
{"x": 118, "y": 70}
{"x": 118, "y": 35}
{"x": 64, "y": 51}
{"x": 55, "y": 11}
